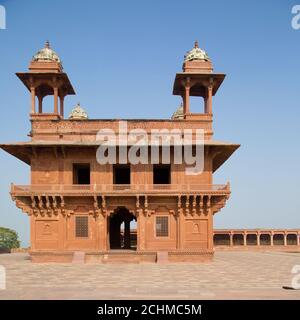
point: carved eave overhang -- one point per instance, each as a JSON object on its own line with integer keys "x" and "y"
{"x": 61, "y": 77}
{"x": 24, "y": 151}
{"x": 221, "y": 153}
{"x": 198, "y": 83}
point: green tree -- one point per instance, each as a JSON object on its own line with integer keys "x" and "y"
{"x": 8, "y": 238}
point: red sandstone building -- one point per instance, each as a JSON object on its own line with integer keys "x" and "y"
{"x": 76, "y": 204}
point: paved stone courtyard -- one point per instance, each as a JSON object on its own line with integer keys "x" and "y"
{"x": 232, "y": 275}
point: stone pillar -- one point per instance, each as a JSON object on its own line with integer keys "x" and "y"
{"x": 205, "y": 104}
{"x": 187, "y": 100}
{"x": 107, "y": 243}
{"x": 210, "y": 230}
{"x": 138, "y": 233}
{"x": 231, "y": 239}
{"x": 285, "y": 239}
{"x": 272, "y": 239}
{"x": 258, "y": 238}
{"x": 32, "y": 90}
{"x": 127, "y": 234}
{"x": 182, "y": 229}
{"x": 141, "y": 230}
{"x": 208, "y": 102}
{"x": 245, "y": 238}
{"x": 32, "y": 232}
{"x": 102, "y": 232}
{"x": 178, "y": 230}
{"x": 61, "y": 100}
{"x": 55, "y": 89}
{"x": 186, "y": 105}
{"x": 298, "y": 239}
{"x": 40, "y": 104}
{"x": 62, "y": 231}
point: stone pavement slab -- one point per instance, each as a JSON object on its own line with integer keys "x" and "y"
{"x": 231, "y": 275}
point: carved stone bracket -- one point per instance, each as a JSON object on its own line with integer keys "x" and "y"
{"x": 41, "y": 205}
{"x": 201, "y": 205}
{"x": 97, "y": 210}
{"x": 187, "y": 205}
{"x": 173, "y": 212}
{"x": 69, "y": 213}
{"x": 62, "y": 205}
{"x": 24, "y": 207}
{"x": 194, "y": 210}
{"x": 146, "y": 213}
{"x": 104, "y": 210}
{"x": 218, "y": 203}
{"x": 208, "y": 204}
{"x": 48, "y": 206}
{"x": 54, "y": 205}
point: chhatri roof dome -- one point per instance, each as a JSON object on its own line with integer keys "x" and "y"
{"x": 196, "y": 54}
{"x": 178, "y": 114}
{"x": 46, "y": 54}
{"x": 78, "y": 113}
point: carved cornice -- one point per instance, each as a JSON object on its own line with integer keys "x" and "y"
{"x": 187, "y": 205}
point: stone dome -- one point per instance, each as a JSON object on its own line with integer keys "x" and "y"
{"x": 196, "y": 54}
{"x": 78, "y": 113}
{"x": 178, "y": 114}
{"x": 46, "y": 54}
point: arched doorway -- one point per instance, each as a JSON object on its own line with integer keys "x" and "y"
{"x": 121, "y": 238}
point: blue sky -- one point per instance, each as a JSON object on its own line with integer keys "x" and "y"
{"x": 122, "y": 56}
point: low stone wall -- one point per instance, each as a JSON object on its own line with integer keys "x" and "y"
{"x": 258, "y": 248}
{"x": 4, "y": 250}
{"x": 256, "y": 238}
{"x": 19, "y": 250}
{"x": 46, "y": 257}
{"x": 120, "y": 257}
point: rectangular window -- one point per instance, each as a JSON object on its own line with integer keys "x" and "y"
{"x": 121, "y": 174}
{"x": 162, "y": 174}
{"x": 81, "y": 173}
{"x": 162, "y": 226}
{"x": 82, "y": 227}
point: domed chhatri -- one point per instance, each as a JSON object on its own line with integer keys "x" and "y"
{"x": 178, "y": 114}
{"x": 78, "y": 113}
{"x": 196, "y": 54}
{"x": 46, "y": 54}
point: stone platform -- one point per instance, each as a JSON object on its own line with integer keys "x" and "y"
{"x": 120, "y": 256}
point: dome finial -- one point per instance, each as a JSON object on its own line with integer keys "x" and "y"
{"x": 78, "y": 113}
{"x": 178, "y": 114}
{"x": 46, "y": 54}
{"x": 196, "y": 54}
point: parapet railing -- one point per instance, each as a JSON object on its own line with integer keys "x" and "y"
{"x": 118, "y": 188}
